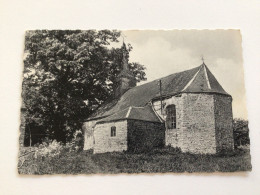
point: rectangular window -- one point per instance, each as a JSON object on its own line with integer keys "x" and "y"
{"x": 113, "y": 131}
{"x": 171, "y": 117}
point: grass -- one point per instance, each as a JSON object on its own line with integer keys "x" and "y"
{"x": 156, "y": 161}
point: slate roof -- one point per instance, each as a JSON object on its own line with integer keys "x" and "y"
{"x": 137, "y": 113}
{"x": 196, "y": 80}
{"x": 204, "y": 81}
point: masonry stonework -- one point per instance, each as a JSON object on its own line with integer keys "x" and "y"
{"x": 223, "y": 121}
{"x": 144, "y": 135}
{"x": 173, "y": 137}
{"x": 198, "y": 123}
{"x": 88, "y": 129}
{"x": 195, "y": 123}
{"x": 104, "y": 142}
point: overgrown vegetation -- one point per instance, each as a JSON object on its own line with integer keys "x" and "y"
{"x": 68, "y": 74}
{"x": 156, "y": 161}
{"x": 241, "y": 132}
{"x": 52, "y": 157}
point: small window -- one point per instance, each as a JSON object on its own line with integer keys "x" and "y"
{"x": 113, "y": 131}
{"x": 171, "y": 117}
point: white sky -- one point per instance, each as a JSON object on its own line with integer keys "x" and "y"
{"x": 167, "y": 52}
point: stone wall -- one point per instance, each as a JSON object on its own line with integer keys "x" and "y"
{"x": 88, "y": 129}
{"x": 145, "y": 135}
{"x": 195, "y": 123}
{"x": 173, "y": 137}
{"x": 204, "y": 125}
{"x": 103, "y": 142}
{"x": 223, "y": 121}
{"x": 198, "y": 123}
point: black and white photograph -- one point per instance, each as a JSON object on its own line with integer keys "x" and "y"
{"x": 130, "y": 97}
{"x": 133, "y": 102}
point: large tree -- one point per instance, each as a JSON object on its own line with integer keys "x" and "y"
{"x": 67, "y": 74}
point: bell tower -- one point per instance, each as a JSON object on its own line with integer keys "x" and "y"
{"x": 125, "y": 79}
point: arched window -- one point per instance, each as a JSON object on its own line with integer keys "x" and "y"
{"x": 113, "y": 131}
{"x": 171, "y": 117}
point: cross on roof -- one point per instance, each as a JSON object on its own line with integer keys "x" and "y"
{"x": 202, "y": 59}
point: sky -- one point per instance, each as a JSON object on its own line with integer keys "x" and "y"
{"x": 166, "y": 52}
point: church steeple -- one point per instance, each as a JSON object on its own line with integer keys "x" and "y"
{"x": 125, "y": 79}
{"x": 124, "y": 59}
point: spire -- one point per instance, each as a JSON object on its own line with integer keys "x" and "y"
{"x": 124, "y": 59}
{"x": 125, "y": 79}
{"x": 123, "y": 45}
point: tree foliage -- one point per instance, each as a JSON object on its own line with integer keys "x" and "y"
{"x": 241, "y": 132}
{"x": 67, "y": 74}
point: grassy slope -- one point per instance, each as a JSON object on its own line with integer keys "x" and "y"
{"x": 159, "y": 161}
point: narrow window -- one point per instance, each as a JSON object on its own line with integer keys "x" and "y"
{"x": 171, "y": 117}
{"x": 113, "y": 131}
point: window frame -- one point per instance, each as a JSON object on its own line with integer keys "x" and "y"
{"x": 113, "y": 131}
{"x": 171, "y": 119}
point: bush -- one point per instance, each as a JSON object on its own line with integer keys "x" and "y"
{"x": 50, "y": 149}
{"x": 77, "y": 142}
{"x": 53, "y": 148}
{"x": 241, "y": 132}
{"x": 44, "y": 154}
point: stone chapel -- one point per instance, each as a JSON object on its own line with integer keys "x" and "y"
{"x": 188, "y": 109}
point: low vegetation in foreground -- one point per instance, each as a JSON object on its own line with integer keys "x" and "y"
{"x": 56, "y": 159}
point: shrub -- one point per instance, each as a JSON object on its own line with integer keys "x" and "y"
{"x": 50, "y": 149}
{"x": 241, "y": 132}
{"x": 34, "y": 160}
{"x": 76, "y": 143}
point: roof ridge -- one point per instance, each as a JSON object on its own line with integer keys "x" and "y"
{"x": 206, "y": 74}
{"x": 128, "y": 112}
{"x": 192, "y": 79}
{"x": 215, "y": 85}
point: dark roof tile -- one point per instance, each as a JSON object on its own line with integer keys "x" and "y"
{"x": 135, "y": 113}
{"x": 195, "y": 80}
